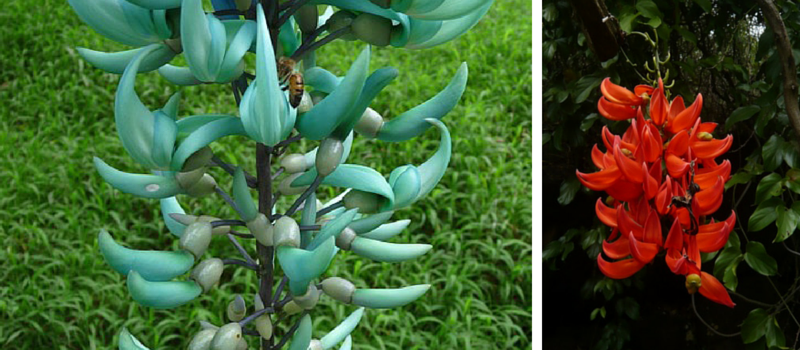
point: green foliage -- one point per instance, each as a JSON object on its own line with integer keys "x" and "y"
{"x": 755, "y": 325}
{"x": 56, "y": 115}
{"x": 756, "y": 256}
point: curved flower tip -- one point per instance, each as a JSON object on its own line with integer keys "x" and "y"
{"x": 161, "y": 295}
{"x": 600, "y": 180}
{"x": 128, "y": 342}
{"x": 713, "y": 290}
{"x": 619, "y": 269}
{"x": 618, "y": 94}
{"x": 641, "y": 251}
{"x": 687, "y": 117}
{"x": 115, "y": 62}
{"x": 123, "y": 22}
{"x": 142, "y": 185}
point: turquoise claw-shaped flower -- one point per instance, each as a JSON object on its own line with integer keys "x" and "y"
{"x": 170, "y": 205}
{"x": 386, "y": 231}
{"x": 133, "y": 25}
{"x": 410, "y": 183}
{"x": 241, "y": 196}
{"x": 336, "y": 108}
{"x": 413, "y": 122}
{"x": 212, "y": 53}
{"x": 301, "y": 266}
{"x": 357, "y": 177}
{"x": 332, "y": 228}
{"x": 343, "y": 330}
{"x": 347, "y": 344}
{"x": 149, "y": 137}
{"x": 265, "y": 110}
{"x": 387, "y": 252}
{"x": 161, "y": 295}
{"x": 152, "y": 265}
{"x": 142, "y": 185}
{"x": 371, "y": 222}
{"x": 388, "y": 298}
{"x": 127, "y": 341}
{"x": 157, "y": 4}
{"x": 413, "y": 24}
{"x": 302, "y": 336}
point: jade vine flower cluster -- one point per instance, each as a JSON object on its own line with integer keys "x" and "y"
{"x": 176, "y": 150}
{"x": 663, "y": 169}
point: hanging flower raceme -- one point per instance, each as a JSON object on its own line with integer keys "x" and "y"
{"x": 662, "y": 169}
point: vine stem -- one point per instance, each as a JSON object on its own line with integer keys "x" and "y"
{"x": 694, "y": 307}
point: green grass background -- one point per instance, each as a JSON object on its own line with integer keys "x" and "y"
{"x": 56, "y": 112}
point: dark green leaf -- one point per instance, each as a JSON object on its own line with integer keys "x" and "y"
{"x": 742, "y": 177}
{"x": 772, "y": 152}
{"x": 787, "y": 222}
{"x": 550, "y": 13}
{"x": 774, "y": 334}
{"x": 768, "y": 187}
{"x": 584, "y": 87}
{"x": 587, "y": 123}
{"x": 654, "y": 22}
{"x": 704, "y": 4}
{"x": 764, "y": 215}
{"x": 756, "y": 256}
{"x": 755, "y": 325}
{"x": 648, "y": 9}
{"x": 729, "y": 278}
{"x": 545, "y": 138}
{"x": 790, "y": 155}
{"x": 689, "y": 36}
{"x": 741, "y": 114}
{"x": 726, "y": 258}
{"x": 569, "y": 187}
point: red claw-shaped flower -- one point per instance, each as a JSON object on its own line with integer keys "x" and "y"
{"x": 661, "y": 170}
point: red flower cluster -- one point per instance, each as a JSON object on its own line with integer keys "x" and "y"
{"x": 649, "y": 181}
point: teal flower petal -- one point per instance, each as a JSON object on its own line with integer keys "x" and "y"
{"x": 332, "y": 228}
{"x": 288, "y": 37}
{"x": 433, "y": 169}
{"x": 157, "y": 4}
{"x": 205, "y": 135}
{"x": 347, "y": 344}
{"x": 142, "y": 185}
{"x": 309, "y": 217}
{"x": 115, "y": 62}
{"x": 301, "y": 266}
{"x": 324, "y": 117}
{"x": 406, "y": 183}
{"x": 357, "y": 177}
{"x": 170, "y": 205}
{"x": 302, "y": 336}
{"x": 387, "y": 252}
{"x": 152, "y": 265}
{"x": 437, "y": 9}
{"x": 371, "y": 222}
{"x": 242, "y": 197}
{"x": 265, "y": 111}
{"x": 412, "y": 123}
{"x": 122, "y": 21}
{"x": 128, "y": 342}
{"x": 449, "y": 29}
{"x": 232, "y": 65}
{"x": 388, "y": 298}
{"x": 148, "y": 137}
{"x": 387, "y": 231}
{"x": 321, "y": 79}
{"x": 161, "y": 295}
{"x": 178, "y": 75}
{"x": 343, "y": 330}
{"x": 188, "y": 125}
{"x": 373, "y": 85}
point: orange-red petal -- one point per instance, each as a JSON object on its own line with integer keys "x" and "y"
{"x": 676, "y": 167}
{"x": 659, "y": 111}
{"x": 676, "y": 107}
{"x": 664, "y": 197}
{"x": 607, "y": 215}
{"x": 626, "y": 224}
{"x": 615, "y": 111}
{"x": 618, "y": 269}
{"x": 640, "y": 90}
{"x": 675, "y": 236}
{"x": 709, "y": 200}
{"x": 650, "y": 184}
{"x": 679, "y": 144}
{"x": 618, "y": 94}
{"x": 652, "y": 229}
{"x": 625, "y": 191}
{"x": 713, "y": 290}
{"x": 632, "y": 169}
{"x": 686, "y": 118}
{"x": 600, "y": 180}
{"x": 712, "y": 148}
{"x": 642, "y": 251}
{"x": 651, "y": 146}
{"x": 597, "y": 157}
{"x": 617, "y": 249}
{"x": 707, "y": 177}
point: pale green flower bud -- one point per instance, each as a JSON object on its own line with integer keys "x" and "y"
{"x": 308, "y": 300}
{"x": 196, "y": 238}
{"x": 202, "y": 340}
{"x": 264, "y": 326}
{"x": 236, "y": 309}
{"x": 262, "y": 229}
{"x": 329, "y": 156}
{"x": 286, "y": 189}
{"x": 198, "y": 159}
{"x": 292, "y": 308}
{"x": 339, "y": 289}
{"x": 227, "y": 337}
{"x": 366, "y": 202}
{"x": 207, "y": 273}
{"x": 188, "y": 179}
{"x": 373, "y": 29}
{"x": 205, "y": 186}
{"x": 294, "y": 163}
{"x": 369, "y": 124}
{"x": 287, "y": 232}
{"x": 339, "y": 20}
{"x": 345, "y": 239}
